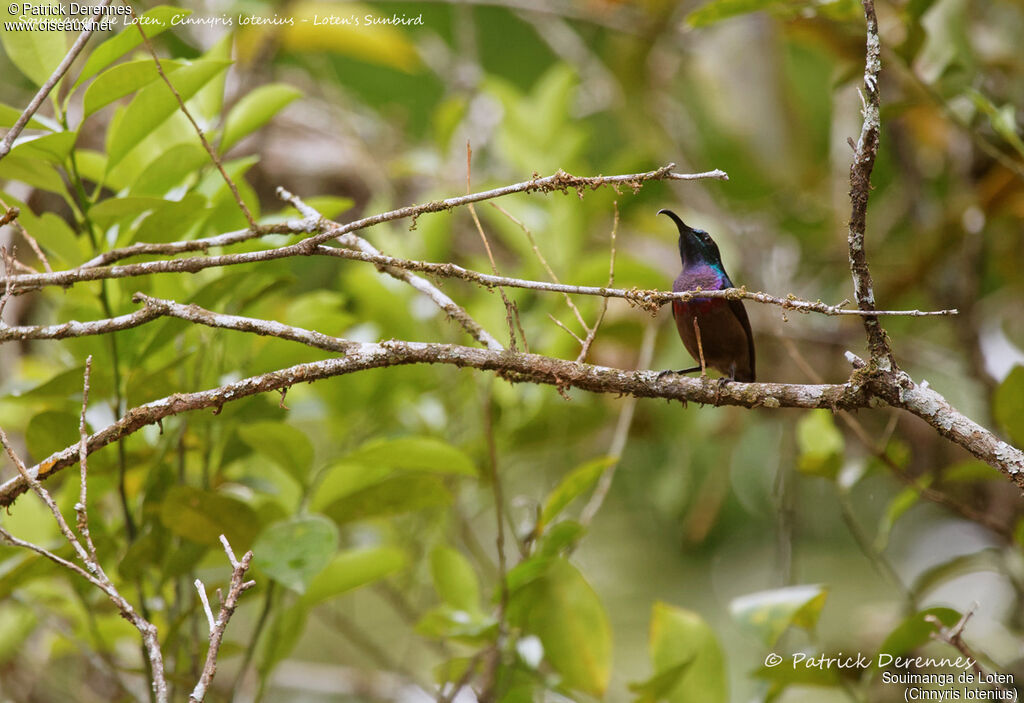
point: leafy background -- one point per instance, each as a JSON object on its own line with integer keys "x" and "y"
{"x": 727, "y": 534}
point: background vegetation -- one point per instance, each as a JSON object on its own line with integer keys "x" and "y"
{"x": 369, "y": 502}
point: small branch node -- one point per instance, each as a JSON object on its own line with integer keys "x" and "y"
{"x": 854, "y": 360}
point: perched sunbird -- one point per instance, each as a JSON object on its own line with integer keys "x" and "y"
{"x": 714, "y": 330}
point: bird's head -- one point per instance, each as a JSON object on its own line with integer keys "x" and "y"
{"x": 695, "y": 245}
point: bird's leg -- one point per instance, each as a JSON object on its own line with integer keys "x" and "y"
{"x": 700, "y": 348}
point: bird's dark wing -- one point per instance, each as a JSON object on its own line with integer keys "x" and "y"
{"x": 741, "y": 314}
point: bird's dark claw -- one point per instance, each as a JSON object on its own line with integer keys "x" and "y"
{"x": 680, "y": 372}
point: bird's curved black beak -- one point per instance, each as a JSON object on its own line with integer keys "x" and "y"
{"x": 683, "y": 227}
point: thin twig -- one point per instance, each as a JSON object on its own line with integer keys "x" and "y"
{"x": 58, "y": 73}
{"x": 592, "y": 331}
{"x": 510, "y": 313}
{"x": 618, "y": 444}
{"x": 443, "y": 301}
{"x": 493, "y": 656}
{"x": 199, "y": 130}
{"x": 81, "y": 508}
{"x": 566, "y": 328}
{"x": 953, "y": 636}
{"x": 8, "y": 259}
{"x": 700, "y": 347}
{"x": 93, "y": 571}
{"x": 543, "y": 261}
{"x": 10, "y": 217}
{"x": 877, "y": 558}
{"x": 238, "y": 586}
{"x": 204, "y": 244}
{"x": 45, "y": 496}
{"x": 201, "y": 589}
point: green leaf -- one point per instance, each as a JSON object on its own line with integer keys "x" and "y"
{"x": 330, "y": 206}
{"x": 718, "y": 10}
{"x": 284, "y": 444}
{"x": 56, "y": 238}
{"x": 33, "y": 172}
{"x": 577, "y": 482}
{"x": 904, "y": 501}
{"x": 284, "y": 632}
{"x": 454, "y": 579}
{"x": 821, "y": 444}
{"x": 354, "y": 568}
{"x": 255, "y": 110}
{"x": 144, "y": 553}
{"x": 17, "y": 622}
{"x": 208, "y": 103}
{"x": 92, "y": 165}
{"x": 153, "y": 21}
{"x": 375, "y": 43}
{"x": 454, "y": 669}
{"x": 320, "y": 310}
{"x": 527, "y": 571}
{"x": 112, "y": 210}
{"x": 1009, "y": 404}
{"x": 770, "y": 613}
{"x": 172, "y": 220}
{"x": 293, "y": 552}
{"x": 683, "y": 644}
{"x": 52, "y": 148}
{"x": 169, "y": 169}
{"x": 202, "y": 516}
{"x": 155, "y": 103}
{"x": 9, "y": 115}
{"x": 22, "y": 569}
{"x": 448, "y": 623}
{"x": 36, "y": 53}
{"x": 563, "y": 610}
{"x": 560, "y": 537}
{"x": 61, "y": 385}
{"x": 782, "y": 677}
{"x": 659, "y": 686}
{"x": 1003, "y": 120}
{"x": 987, "y": 559}
{"x": 915, "y": 631}
{"x": 123, "y": 80}
{"x": 414, "y": 454}
{"x": 970, "y": 471}
{"x": 50, "y": 431}
{"x": 344, "y": 479}
{"x": 393, "y": 496}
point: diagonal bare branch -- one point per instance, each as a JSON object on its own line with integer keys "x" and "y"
{"x": 449, "y": 306}
{"x": 58, "y": 73}
{"x": 326, "y": 230}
